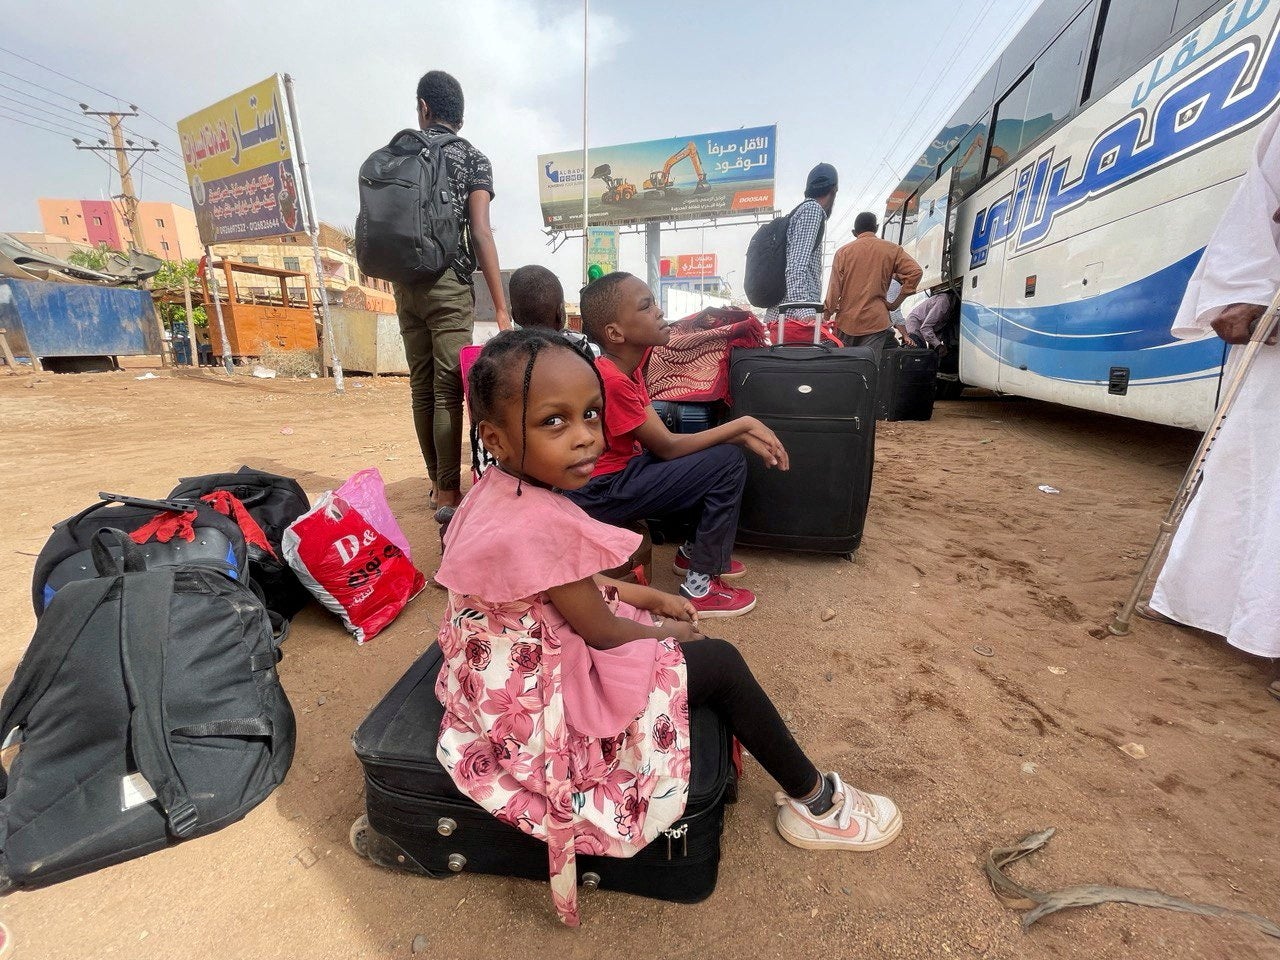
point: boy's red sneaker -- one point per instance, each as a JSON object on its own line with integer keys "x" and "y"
{"x": 681, "y": 567}
{"x": 721, "y": 600}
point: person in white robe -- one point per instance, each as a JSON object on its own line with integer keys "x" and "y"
{"x": 1223, "y": 570}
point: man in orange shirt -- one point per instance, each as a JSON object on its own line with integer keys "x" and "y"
{"x": 860, "y": 278}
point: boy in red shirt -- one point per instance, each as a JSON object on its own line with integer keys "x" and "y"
{"x": 648, "y": 471}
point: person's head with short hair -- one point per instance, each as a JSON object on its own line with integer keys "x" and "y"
{"x": 865, "y": 222}
{"x": 537, "y": 298}
{"x": 439, "y": 100}
{"x": 821, "y": 185}
{"x": 620, "y": 310}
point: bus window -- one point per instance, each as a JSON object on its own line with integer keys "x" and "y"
{"x": 1044, "y": 96}
{"x": 1007, "y": 135}
{"x": 1131, "y": 31}
{"x": 1055, "y": 81}
{"x": 1189, "y": 11}
{"x": 966, "y": 158}
{"x": 892, "y": 228}
{"x": 910, "y": 218}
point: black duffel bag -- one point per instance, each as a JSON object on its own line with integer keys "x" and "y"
{"x": 274, "y": 502}
{"x": 147, "y": 710}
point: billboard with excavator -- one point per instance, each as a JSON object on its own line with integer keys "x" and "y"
{"x": 708, "y": 176}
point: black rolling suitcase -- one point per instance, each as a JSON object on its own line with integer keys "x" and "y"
{"x": 820, "y": 401}
{"x": 417, "y": 821}
{"x": 908, "y": 384}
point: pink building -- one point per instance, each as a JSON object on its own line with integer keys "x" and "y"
{"x": 164, "y": 230}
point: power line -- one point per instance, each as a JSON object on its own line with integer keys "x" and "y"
{"x": 983, "y": 64}
{"x": 25, "y": 123}
{"x": 40, "y": 86}
{"x": 45, "y": 118}
{"x": 30, "y": 96}
{"x": 82, "y": 83}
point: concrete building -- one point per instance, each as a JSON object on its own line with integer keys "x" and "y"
{"x": 341, "y": 276}
{"x": 50, "y": 244}
{"x": 166, "y": 230}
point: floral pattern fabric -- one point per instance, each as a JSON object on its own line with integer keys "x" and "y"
{"x": 506, "y": 743}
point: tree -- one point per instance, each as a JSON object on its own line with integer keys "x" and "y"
{"x": 95, "y": 259}
{"x": 170, "y": 278}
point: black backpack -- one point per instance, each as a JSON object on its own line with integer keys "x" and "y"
{"x": 765, "y": 276}
{"x": 407, "y": 230}
{"x": 147, "y": 710}
{"x": 274, "y": 502}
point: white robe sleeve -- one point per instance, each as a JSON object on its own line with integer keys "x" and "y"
{"x": 1241, "y": 264}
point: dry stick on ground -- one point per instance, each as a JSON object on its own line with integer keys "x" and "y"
{"x": 1015, "y": 895}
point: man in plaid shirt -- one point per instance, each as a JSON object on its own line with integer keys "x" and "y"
{"x": 804, "y": 241}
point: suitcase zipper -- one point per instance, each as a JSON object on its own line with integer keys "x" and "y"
{"x": 682, "y": 833}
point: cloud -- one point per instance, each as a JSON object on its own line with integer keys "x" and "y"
{"x": 519, "y": 62}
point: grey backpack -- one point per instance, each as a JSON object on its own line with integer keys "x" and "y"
{"x": 147, "y": 710}
{"x": 407, "y": 230}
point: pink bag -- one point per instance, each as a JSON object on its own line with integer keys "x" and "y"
{"x": 360, "y": 575}
{"x": 368, "y": 494}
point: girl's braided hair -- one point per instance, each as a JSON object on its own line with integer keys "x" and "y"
{"x": 491, "y": 382}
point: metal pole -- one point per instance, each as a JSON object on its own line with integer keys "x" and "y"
{"x": 586, "y": 212}
{"x": 212, "y": 276}
{"x": 653, "y": 255}
{"x": 1265, "y": 326}
{"x": 314, "y": 225}
{"x": 191, "y": 322}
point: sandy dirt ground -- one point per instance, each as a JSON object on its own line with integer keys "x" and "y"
{"x": 962, "y": 554}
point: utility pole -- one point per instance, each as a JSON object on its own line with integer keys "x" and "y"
{"x": 122, "y": 147}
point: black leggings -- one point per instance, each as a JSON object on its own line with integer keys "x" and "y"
{"x": 720, "y": 679}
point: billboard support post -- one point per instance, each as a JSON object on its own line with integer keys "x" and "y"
{"x": 313, "y": 227}
{"x": 653, "y": 252}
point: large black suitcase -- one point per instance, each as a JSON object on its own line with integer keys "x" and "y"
{"x": 820, "y": 401}
{"x": 908, "y": 384}
{"x": 417, "y": 820}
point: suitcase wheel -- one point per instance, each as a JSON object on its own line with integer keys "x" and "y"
{"x": 359, "y": 836}
{"x": 385, "y": 852}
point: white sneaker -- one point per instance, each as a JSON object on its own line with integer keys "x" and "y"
{"x": 856, "y": 821}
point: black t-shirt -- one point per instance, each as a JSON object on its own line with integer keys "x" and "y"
{"x": 469, "y": 170}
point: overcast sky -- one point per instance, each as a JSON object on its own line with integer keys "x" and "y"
{"x": 862, "y": 85}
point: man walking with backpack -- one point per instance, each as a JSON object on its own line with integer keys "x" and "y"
{"x": 805, "y": 227}
{"x": 437, "y": 316}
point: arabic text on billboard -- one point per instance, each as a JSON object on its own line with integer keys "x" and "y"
{"x": 682, "y": 178}
{"x": 238, "y": 155}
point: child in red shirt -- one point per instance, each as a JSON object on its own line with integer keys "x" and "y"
{"x": 647, "y": 471}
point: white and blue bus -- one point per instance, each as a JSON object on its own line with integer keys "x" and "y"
{"x": 1070, "y": 197}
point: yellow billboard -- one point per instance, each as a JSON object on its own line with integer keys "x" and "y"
{"x": 239, "y": 159}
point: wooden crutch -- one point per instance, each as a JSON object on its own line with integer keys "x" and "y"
{"x": 1262, "y": 331}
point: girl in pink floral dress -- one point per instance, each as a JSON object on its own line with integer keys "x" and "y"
{"x": 567, "y": 696}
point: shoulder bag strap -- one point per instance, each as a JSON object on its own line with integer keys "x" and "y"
{"x": 145, "y": 600}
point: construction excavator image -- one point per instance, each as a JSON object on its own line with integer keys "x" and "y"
{"x": 619, "y": 189}
{"x": 660, "y": 181}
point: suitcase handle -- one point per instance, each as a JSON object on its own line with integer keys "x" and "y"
{"x": 788, "y": 305}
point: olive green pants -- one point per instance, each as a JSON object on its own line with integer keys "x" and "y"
{"x": 435, "y": 323}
